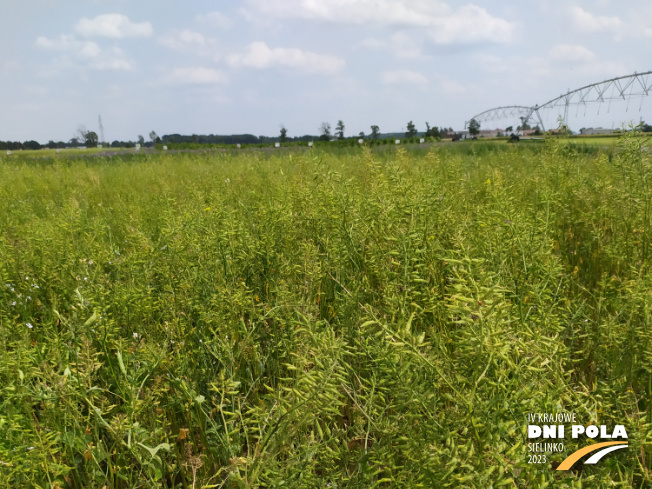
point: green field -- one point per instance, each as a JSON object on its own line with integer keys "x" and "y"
{"x": 345, "y": 318}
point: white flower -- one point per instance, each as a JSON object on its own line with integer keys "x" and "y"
{"x": 135, "y": 335}
{"x": 29, "y": 325}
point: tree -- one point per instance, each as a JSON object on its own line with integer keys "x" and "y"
{"x": 80, "y": 135}
{"x": 31, "y": 145}
{"x": 375, "y": 131}
{"x": 432, "y": 132}
{"x": 411, "y": 130}
{"x": 91, "y": 139}
{"x": 284, "y": 134}
{"x": 339, "y": 130}
{"x": 474, "y": 127}
{"x": 509, "y": 129}
{"x": 84, "y": 136}
{"x": 154, "y": 137}
{"x": 325, "y": 132}
{"x": 141, "y": 140}
{"x": 361, "y": 135}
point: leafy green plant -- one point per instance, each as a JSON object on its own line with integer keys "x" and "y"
{"x": 375, "y": 316}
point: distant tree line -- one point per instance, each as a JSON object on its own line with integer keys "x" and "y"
{"x": 17, "y": 145}
{"x": 84, "y": 137}
{"x": 72, "y": 143}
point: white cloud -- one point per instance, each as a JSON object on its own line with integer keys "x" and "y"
{"x": 195, "y": 76}
{"x": 69, "y": 44}
{"x": 600, "y": 70}
{"x": 573, "y": 53}
{"x": 85, "y": 52}
{"x": 466, "y": 24}
{"x": 384, "y": 12}
{"x": 403, "y": 46}
{"x": 471, "y": 24}
{"x": 260, "y": 56}
{"x": 187, "y": 38}
{"x": 400, "y": 44}
{"x": 588, "y": 22}
{"x": 190, "y": 42}
{"x": 635, "y": 24}
{"x": 112, "y": 59}
{"x": 371, "y": 42}
{"x": 403, "y": 77}
{"x": 582, "y": 61}
{"x": 115, "y": 26}
{"x": 561, "y": 62}
{"x": 215, "y": 19}
{"x": 451, "y": 87}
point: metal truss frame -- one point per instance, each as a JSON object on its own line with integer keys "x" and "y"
{"x": 507, "y": 112}
{"x": 619, "y": 88}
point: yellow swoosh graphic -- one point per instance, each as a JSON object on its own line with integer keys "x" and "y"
{"x": 575, "y": 456}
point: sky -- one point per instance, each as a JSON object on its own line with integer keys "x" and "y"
{"x": 251, "y": 66}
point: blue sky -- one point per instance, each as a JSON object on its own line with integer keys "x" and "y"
{"x": 228, "y": 67}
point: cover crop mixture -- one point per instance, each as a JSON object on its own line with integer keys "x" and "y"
{"x": 323, "y": 319}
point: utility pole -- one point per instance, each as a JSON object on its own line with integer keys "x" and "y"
{"x": 101, "y": 128}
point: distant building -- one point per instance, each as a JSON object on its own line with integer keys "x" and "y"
{"x": 592, "y": 131}
{"x": 491, "y": 133}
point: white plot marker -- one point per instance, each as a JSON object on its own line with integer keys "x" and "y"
{"x": 277, "y": 145}
{"x": 8, "y": 152}
{"x": 238, "y": 146}
{"x": 398, "y": 141}
{"x": 165, "y": 148}
{"x": 421, "y": 141}
{"x": 310, "y": 144}
{"x": 360, "y": 141}
{"x": 138, "y": 147}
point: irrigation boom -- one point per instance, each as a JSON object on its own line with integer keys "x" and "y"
{"x": 619, "y": 88}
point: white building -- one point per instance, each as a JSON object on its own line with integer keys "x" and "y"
{"x": 592, "y": 131}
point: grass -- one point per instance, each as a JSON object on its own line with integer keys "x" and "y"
{"x": 323, "y": 319}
